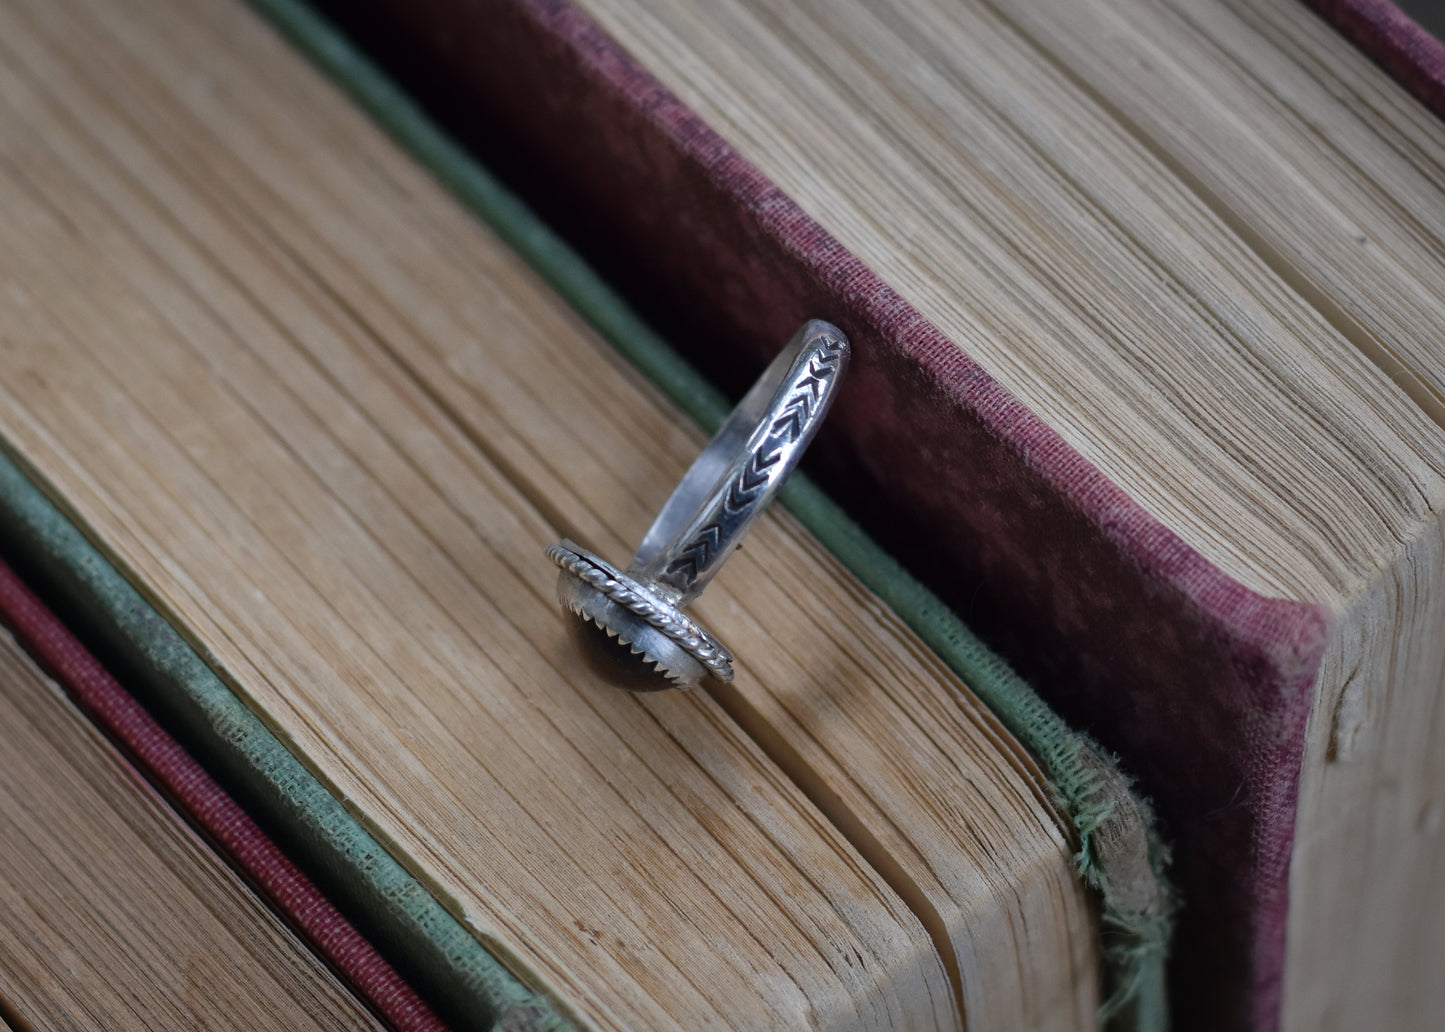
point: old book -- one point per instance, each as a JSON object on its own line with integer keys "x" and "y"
{"x": 1149, "y": 297}
{"x": 316, "y": 426}
{"x": 115, "y": 915}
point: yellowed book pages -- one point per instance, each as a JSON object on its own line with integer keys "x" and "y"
{"x": 327, "y": 423}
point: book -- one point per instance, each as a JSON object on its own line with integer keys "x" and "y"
{"x": 114, "y": 914}
{"x": 1148, "y": 297}
{"x": 1404, "y": 39}
{"x": 302, "y": 429}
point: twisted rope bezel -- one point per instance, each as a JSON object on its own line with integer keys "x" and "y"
{"x": 635, "y": 598}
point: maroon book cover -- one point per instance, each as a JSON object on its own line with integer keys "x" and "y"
{"x": 1396, "y": 42}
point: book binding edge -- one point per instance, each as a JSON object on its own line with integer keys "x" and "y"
{"x": 1393, "y": 40}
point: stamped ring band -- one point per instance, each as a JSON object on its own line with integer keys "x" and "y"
{"x": 641, "y": 609}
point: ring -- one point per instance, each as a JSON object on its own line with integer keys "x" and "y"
{"x": 641, "y": 608}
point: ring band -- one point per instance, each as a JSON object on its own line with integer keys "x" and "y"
{"x": 704, "y": 520}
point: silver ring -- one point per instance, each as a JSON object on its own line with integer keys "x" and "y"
{"x": 725, "y": 491}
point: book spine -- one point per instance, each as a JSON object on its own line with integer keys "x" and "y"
{"x": 1201, "y": 684}
{"x": 1394, "y": 41}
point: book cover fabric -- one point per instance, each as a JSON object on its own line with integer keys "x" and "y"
{"x": 1394, "y": 41}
